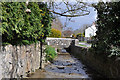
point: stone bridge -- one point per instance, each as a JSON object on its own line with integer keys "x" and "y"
{"x": 60, "y": 42}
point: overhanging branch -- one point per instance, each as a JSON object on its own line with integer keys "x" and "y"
{"x": 61, "y": 14}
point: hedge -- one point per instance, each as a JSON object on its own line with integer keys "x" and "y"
{"x": 19, "y": 27}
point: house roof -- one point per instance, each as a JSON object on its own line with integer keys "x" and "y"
{"x": 67, "y": 33}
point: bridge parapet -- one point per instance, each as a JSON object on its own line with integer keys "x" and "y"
{"x": 61, "y": 42}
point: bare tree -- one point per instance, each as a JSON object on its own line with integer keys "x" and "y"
{"x": 57, "y": 24}
{"x": 82, "y": 29}
{"x": 69, "y": 9}
{"x": 85, "y": 26}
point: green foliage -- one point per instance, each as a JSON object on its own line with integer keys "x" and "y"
{"x": 108, "y": 27}
{"x": 82, "y": 45}
{"x": 50, "y": 53}
{"x": 19, "y": 27}
{"x": 73, "y": 36}
{"x": 80, "y": 35}
{"x": 55, "y": 33}
{"x": 115, "y": 52}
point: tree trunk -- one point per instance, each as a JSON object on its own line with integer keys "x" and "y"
{"x": 40, "y": 55}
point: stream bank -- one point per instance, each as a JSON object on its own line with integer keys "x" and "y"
{"x": 107, "y": 67}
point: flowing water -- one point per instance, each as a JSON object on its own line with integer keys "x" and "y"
{"x": 69, "y": 66}
{"x": 65, "y": 66}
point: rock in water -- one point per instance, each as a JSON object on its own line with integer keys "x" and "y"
{"x": 60, "y": 67}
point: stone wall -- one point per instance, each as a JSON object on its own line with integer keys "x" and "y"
{"x": 107, "y": 67}
{"x": 61, "y": 42}
{"x": 18, "y": 61}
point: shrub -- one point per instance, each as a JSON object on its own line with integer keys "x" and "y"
{"x": 55, "y": 33}
{"x": 80, "y": 35}
{"x": 115, "y": 51}
{"x": 19, "y": 27}
{"x": 108, "y": 28}
{"x": 50, "y": 53}
{"x": 73, "y": 36}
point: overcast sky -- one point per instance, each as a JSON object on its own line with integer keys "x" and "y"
{"x": 78, "y": 22}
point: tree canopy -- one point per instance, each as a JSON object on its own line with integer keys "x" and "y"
{"x": 108, "y": 27}
{"x": 19, "y": 27}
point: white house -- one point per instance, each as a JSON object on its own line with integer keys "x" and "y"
{"x": 90, "y": 31}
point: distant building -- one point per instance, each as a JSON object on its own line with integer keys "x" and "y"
{"x": 90, "y": 31}
{"x": 67, "y": 33}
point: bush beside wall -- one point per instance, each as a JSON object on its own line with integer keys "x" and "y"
{"x": 50, "y": 53}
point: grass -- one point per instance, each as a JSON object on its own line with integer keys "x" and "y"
{"x": 82, "y": 45}
{"x": 83, "y": 41}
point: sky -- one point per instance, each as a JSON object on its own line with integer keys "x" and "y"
{"x": 78, "y": 22}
